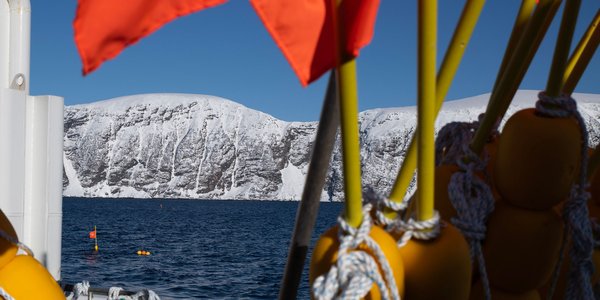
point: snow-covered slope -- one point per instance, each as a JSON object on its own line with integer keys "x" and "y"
{"x": 197, "y": 146}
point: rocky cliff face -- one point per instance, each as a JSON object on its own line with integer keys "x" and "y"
{"x": 195, "y": 146}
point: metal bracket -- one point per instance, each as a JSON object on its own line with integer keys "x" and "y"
{"x": 18, "y": 83}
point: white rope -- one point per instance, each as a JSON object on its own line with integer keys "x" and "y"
{"x": 146, "y": 295}
{"x": 381, "y": 203}
{"x": 355, "y": 271}
{"x": 79, "y": 289}
{"x": 14, "y": 241}
{"x": 473, "y": 200}
{"x": 575, "y": 212}
{"x": 113, "y": 293}
{"x": 422, "y": 230}
{"x": 5, "y": 295}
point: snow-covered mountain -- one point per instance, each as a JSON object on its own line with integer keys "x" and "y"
{"x": 197, "y": 146}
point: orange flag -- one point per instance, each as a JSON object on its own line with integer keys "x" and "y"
{"x": 93, "y": 234}
{"x": 303, "y": 30}
{"x": 103, "y": 28}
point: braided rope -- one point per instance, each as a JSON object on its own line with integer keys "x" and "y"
{"x": 80, "y": 289}
{"x": 381, "y": 203}
{"x": 355, "y": 270}
{"x": 575, "y": 212}
{"x": 422, "y": 230}
{"x": 452, "y": 138}
{"x": 4, "y": 235}
{"x": 448, "y": 144}
{"x": 474, "y": 202}
{"x": 5, "y": 295}
{"x": 113, "y": 293}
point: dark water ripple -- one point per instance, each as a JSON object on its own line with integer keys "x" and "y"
{"x": 201, "y": 249}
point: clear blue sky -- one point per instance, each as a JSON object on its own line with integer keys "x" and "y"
{"x": 226, "y": 51}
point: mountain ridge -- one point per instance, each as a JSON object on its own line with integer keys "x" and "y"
{"x": 201, "y": 146}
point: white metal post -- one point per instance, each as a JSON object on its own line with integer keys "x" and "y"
{"x": 55, "y": 184}
{"x": 20, "y": 35}
{"x": 12, "y": 156}
{"x": 43, "y": 179}
{"x": 4, "y": 41}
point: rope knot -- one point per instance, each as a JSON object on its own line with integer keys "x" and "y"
{"x": 472, "y": 231}
{"x": 355, "y": 272}
{"x": 473, "y": 200}
{"x": 381, "y": 203}
{"x": 450, "y": 140}
{"x": 556, "y": 107}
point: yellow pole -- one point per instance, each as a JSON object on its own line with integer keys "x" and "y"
{"x": 582, "y": 55}
{"x": 521, "y": 22}
{"x": 526, "y": 48}
{"x": 95, "y": 239}
{"x": 454, "y": 54}
{"x": 563, "y": 46}
{"x": 348, "y": 97}
{"x": 426, "y": 106}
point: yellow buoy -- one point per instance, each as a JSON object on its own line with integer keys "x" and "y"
{"x": 537, "y": 159}
{"x": 326, "y": 251}
{"x": 8, "y": 250}
{"x": 521, "y": 247}
{"x": 438, "y": 268}
{"x": 25, "y": 278}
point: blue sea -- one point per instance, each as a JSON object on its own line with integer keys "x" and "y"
{"x": 201, "y": 249}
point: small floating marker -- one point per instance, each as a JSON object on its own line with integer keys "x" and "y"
{"x": 94, "y": 236}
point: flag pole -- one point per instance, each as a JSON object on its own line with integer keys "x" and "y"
{"x": 308, "y": 208}
{"x": 456, "y": 49}
{"x": 582, "y": 55}
{"x": 348, "y": 97}
{"x": 515, "y": 70}
{"x": 425, "y": 107}
{"x": 95, "y": 239}
{"x": 563, "y": 45}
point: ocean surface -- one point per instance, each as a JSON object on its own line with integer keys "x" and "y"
{"x": 201, "y": 249}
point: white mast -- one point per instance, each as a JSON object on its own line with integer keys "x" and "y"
{"x": 31, "y": 144}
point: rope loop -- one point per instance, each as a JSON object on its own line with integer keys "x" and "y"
{"x": 422, "y": 230}
{"x": 380, "y": 204}
{"x": 355, "y": 270}
{"x": 474, "y": 202}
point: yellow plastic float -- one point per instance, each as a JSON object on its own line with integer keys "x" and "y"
{"x": 21, "y": 276}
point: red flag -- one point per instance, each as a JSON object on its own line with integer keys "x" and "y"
{"x": 303, "y": 30}
{"x": 103, "y": 28}
{"x": 93, "y": 234}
